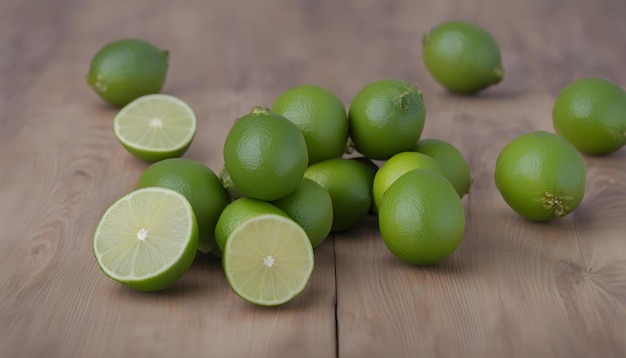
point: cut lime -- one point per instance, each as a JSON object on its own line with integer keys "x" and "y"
{"x": 147, "y": 239}
{"x": 155, "y": 127}
{"x": 268, "y": 260}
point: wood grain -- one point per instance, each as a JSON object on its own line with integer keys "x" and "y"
{"x": 514, "y": 288}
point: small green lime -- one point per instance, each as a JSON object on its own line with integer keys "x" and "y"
{"x": 591, "y": 114}
{"x": 386, "y": 117}
{"x": 541, "y": 176}
{"x": 421, "y": 218}
{"x": 452, "y": 161}
{"x": 462, "y": 57}
{"x": 320, "y": 115}
{"x": 127, "y": 69}
{"x": 265, "y": 155}
{"x": 311, "y": 207}
{"x": 199, "y": 185}
{"x": 349, "y": 184}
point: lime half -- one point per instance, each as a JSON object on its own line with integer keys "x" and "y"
{"x": 147, "y": 239}
{"x": 155, "y": 127}
{"x": 268, "y": 260}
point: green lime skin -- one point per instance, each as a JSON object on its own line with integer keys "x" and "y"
{"x": 591, "y": 114}
{"x": 127, "y": 69}
{"x": 452, "y": 161}
{"x": 311, "y": 207}
{"x": 421, "y": 218}
{"x": 462, "y": 57}
{"x": 349, "y": 184}
{"x": 265, "y": 155}
{"x": 386, "y": 117}
{"x": 541, "y": 176}
{"x": 199, "y": 184}
{"x": 320, "y": 115}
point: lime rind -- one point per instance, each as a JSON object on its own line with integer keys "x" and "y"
{"x": 268, "y": 260}
{"x": 147, "y": 239}
{"x": 155, "y": 127}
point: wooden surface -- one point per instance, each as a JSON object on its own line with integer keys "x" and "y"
{"x": 513, "y": 288}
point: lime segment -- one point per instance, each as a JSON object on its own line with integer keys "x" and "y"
{"x": 147, "y": 239}
{"x": 268, "y": 260}
{"x": 155, "y": 127}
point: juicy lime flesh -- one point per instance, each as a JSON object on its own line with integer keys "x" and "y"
{"x": 156, "y": 127}
{"x": 397, "y": 166}
{"x": 541, "y": 176}
{"x": 386, "y": 117}
{"x": 320, "y": 115}
{"x": 268, "y": 260}
{"x": 462, "y": 57}
{"x": 199, "y": 184}
{"x": 421, "y": 218}
{"x": 591, "y": 114}
{"x": 265, "y": 155}
{"x": 147, "y": 239}
{"x": 127, "y": 69}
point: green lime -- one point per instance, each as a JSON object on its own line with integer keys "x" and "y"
{"x": 541, "y": 176}
{"x": 147, "y": 239}
{"x": 239, "y": 211}
{"x": 265, "y": 155}
{"x": 397, "y": 166}
{"x": 421, "y": 218}
{"x": 268, "y": 260}
{"x": 320, "y": 115}
{"x": 454, "y": 165}
{"x": 462, "y": 57}
{"x": 591, "y": 114}
{"x": 155, "y": 127}
{"x": 386, "y": 117}
{"x": 349, "y": 184}
{"x": 311, "y": 207}
{"x": 199, "y": 185}
{"x": 127, "y": 69}
{"x": 372, "y": 169}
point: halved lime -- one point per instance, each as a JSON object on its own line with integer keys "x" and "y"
{"x": 268, "y": 260}
{"x": 147, "y": 239}
{"x": 155, "y": 127}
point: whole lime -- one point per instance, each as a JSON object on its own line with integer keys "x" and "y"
{"x": 541, "y": 176}
{"x": 452, "y": 161}
{"x": 421, "y": 218}
{"x": 462, "y": 57}
{"x": 591, "y": 114}
{"x": 320, "y": 115}
{"x": 127, "y": 69}
{"x": 265, "y": 155}
{"x": 199, "y": 185}
{"x": 386, "y": 117}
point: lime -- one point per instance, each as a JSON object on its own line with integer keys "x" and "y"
{"x": 454, "y": 165}
{"x": 239, "y": 211}
{"x": 397, "y": 166}
{"x": 265, "y": 155}
{"x": 591, "y": 114}
{"x": 311, "y": 207}
{"x": 155, "y": 127}
{"x": 349, "y": 184}
{"x": 421, "y": 218}
{"x": 386, "y": 117}
{"x": 268, "y": 260}
{"x": 147, "y": 239}
{"x": 320, "y": 115}
{"x": 199, "y": 185}
{"x": 541, "y": 176}
{"x": 462, "y": 57}
{"x": 127, "y": 69}
{"x": 372, "y": 169}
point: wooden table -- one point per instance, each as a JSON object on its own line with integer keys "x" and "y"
{"x": 513, "y": 288}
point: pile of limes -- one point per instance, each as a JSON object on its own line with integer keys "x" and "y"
{"x": 308, "y": 166}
